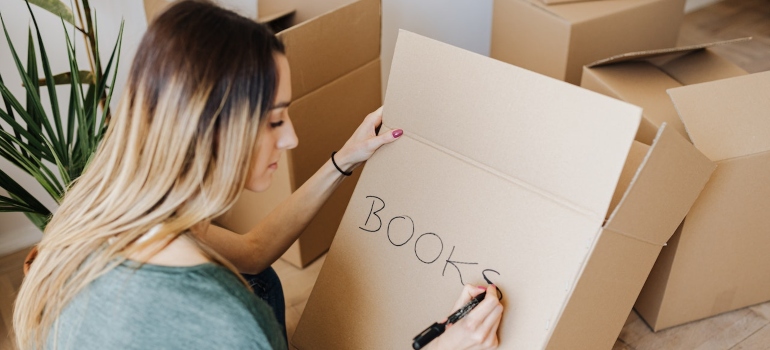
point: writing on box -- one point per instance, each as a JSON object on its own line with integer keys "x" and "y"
{"x": 428, "y": 247}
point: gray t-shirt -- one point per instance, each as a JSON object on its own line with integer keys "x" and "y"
{"x": 162, "y": 307}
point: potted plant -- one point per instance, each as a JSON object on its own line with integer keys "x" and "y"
{"x": 54, "y": 148}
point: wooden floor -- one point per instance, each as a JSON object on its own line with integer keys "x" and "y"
{"x": 743, "y": 329}
{"x": 731, "y": 19}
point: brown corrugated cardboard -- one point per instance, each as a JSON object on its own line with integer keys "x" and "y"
{"x": 642, "y": 78}
{"x": 329, "y": 40}
{"x": 333, "y": 49}
{"x": 557, "y": 40}
{"x": 718, "y": 261}
{"x": 502, "y": 175}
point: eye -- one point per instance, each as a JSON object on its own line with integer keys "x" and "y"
{"x": 276, "y": 124}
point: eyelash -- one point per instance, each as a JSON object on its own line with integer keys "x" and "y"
{"x": 276, "y": 124}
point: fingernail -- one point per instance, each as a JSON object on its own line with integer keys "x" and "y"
{"x": 397, "y": 133}
{"x": 482, "y": 288}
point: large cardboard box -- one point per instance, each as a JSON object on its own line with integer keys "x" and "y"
{"x": 642, "y": 78}
{"x": 718, "y": 261}
{"x": 557, "y": 40}
{"x": 333, "y": 48}
{"x": 504, "y": 176}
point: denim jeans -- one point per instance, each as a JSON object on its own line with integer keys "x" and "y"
{"x": 267, "y": 286}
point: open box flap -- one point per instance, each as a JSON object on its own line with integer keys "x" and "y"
{"x": 625, "y": 80}
{"x": 584, "y": 11}
{"x": 571, "y": 145}
{"x": 666, "y": 185}
{"x": 640, "y": 55}
{"x": 727, "y": 118}
{"x": 701, "y": 67}
{"x": 339, "y": 41}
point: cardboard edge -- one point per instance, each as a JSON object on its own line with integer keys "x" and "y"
{"x": 543, "y": 7}
{"x": 661, "y": 52}
{"x": 679, "y": 114}
{"x": 647, "y": 305}
{"x": 636, "y": 177}
{"x": 276, "y": 16}
{"x": 574, "y": 285}
{"x": 661, "y": 131}
{"x": 618, "y": 292}
{"x": 327, "y": 13}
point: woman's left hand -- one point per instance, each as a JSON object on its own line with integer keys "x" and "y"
{"x": 364, "y": 142}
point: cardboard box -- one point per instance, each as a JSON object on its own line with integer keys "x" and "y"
{"x": 333, "y": 48}
{"x": 503, "y": 176}
{"x": 718, "y": 261}
{"x": 557, "y": 40}
{"x": 642, "y": 78}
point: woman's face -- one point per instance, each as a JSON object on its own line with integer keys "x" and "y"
{"x": 276, "y": 133}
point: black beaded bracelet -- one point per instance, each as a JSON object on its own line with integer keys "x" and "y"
{"x": 337, "y": 166}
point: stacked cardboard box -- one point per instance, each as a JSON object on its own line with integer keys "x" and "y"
{"x": 333, "y": 48}
{"x": 557, "y": 40}
{"x": 502, "y": 176}
{"x": 716, "y": 261}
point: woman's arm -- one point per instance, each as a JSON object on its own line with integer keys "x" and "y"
{"x": 269, "y": 239}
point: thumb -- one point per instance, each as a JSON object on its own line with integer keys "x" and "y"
{"x": 389, "y": 137}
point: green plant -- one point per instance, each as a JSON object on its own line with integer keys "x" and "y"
{"x": 62, "y": 140}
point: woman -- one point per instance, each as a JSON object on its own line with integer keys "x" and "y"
{"x": 130, "y": 261}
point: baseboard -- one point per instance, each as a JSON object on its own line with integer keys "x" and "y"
{"x": 23, "y": 237}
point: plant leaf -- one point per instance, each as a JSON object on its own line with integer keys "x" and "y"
{"x": 57, "y": 7}
{"x": 8, "y": 109}
{"x": 116, "y": 49}
{"x": 39, "y": 115}
{"x": 33, "y": 139}
{"x": 86, "y": 77}
{"x": 19, "y": 193}
{"x": 33, "y": 166}
{"x": 64, "y": 149}
{"x": 32, "y": 72}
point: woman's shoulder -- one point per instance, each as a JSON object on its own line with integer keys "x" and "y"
{"x": 203, "y": 306}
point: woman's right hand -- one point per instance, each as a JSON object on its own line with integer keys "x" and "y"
{"x": 478, "y": 329}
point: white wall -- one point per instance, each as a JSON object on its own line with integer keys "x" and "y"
{"x": 16, "y": 231}
{"x": 462, "y": 23}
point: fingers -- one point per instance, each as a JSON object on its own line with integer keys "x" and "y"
{"x": 374, "y": 118}
{"x": 485, "y": 309}
{"x": 469, "y": 291}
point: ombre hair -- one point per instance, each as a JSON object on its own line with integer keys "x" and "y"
{"x": 176, "y": 153}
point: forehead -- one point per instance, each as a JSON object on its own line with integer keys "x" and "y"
{"x": 284, "y": 79}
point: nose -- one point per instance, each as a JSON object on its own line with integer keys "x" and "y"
{"x": 288, "y": 138}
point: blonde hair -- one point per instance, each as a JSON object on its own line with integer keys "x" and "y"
{"x": 176, "y": 153}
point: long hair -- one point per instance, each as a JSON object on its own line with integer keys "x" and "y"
{"x": 176, "y": 153}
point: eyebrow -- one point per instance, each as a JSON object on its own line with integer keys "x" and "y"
{"x": 281, "y": 105}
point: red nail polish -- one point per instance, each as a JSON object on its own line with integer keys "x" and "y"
{"x": 397, "y": 133}
{"x": 482, "y": 288}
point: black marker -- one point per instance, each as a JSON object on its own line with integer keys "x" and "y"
{"x": 437, "y": 329}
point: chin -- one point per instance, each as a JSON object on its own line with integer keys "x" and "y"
{"x": 260, "y": 185}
